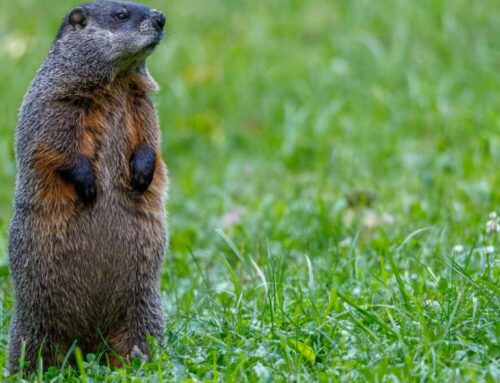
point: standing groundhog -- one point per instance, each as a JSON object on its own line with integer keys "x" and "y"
{"x": 88, "y": 232}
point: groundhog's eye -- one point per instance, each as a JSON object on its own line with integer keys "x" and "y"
{"x": 122, "y": 16}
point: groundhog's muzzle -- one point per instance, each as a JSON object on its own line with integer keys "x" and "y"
{"x": 158, "y": 19}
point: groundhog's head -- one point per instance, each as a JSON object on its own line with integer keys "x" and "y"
{"x": 112, "y": 31}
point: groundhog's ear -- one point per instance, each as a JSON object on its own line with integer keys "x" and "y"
{"x": 78, "y": 17}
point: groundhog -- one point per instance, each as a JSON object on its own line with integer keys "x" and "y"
{"x": 88, "y": 232}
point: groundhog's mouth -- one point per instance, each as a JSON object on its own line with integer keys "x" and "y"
{"x": 148, "y": 49}
{"x": 155, "y": 42}
{"x": 153, "y": 45}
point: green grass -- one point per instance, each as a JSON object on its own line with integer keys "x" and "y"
{"x": 326, "y": 159}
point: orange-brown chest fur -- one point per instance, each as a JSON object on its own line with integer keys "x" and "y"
{"x": 107, "y": 127}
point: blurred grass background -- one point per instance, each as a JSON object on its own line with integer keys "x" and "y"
{"x": 332, "y": 129}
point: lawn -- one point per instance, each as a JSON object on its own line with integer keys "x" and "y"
{"x": 333, "y": 168}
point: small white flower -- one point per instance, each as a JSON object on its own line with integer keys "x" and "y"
{"x": 492, "y": 226}
{"x": 261, "y": 351}
{"x": 485, "y": 250}
{"x": 261, "y": 371}
{"x": 346, "y": 242}
{"x": 458, "y": 248}
{"x": 433, "y": 304}
{"x": 200, "y": 357}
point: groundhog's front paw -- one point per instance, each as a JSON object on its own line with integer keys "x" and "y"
{"x": 80, "y": 173}
{"x": 142, "y": 168}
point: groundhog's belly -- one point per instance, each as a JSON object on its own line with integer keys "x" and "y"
{"x": 116, "y": 243}
{"x": 90, "y": 263}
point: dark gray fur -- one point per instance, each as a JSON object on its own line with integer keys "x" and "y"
{"x": 88, "y": 272}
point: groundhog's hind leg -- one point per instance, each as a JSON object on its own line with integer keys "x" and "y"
{"x": 129, "y": 339}
{"x": 15, "y": 346}
{"x": 35, "y": 345}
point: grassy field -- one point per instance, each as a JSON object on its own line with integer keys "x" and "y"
{"x": 333, "y": 168}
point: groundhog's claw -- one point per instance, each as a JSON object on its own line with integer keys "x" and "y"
{"x": 142, "y": 168}
{"x": 138, "y": 354}
{"x": 87, "y": 192}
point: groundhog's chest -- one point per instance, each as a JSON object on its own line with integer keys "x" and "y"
{"x": 125, "y": 123}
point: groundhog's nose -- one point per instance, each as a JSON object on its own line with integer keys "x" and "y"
{"x": 158, "y": 18}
